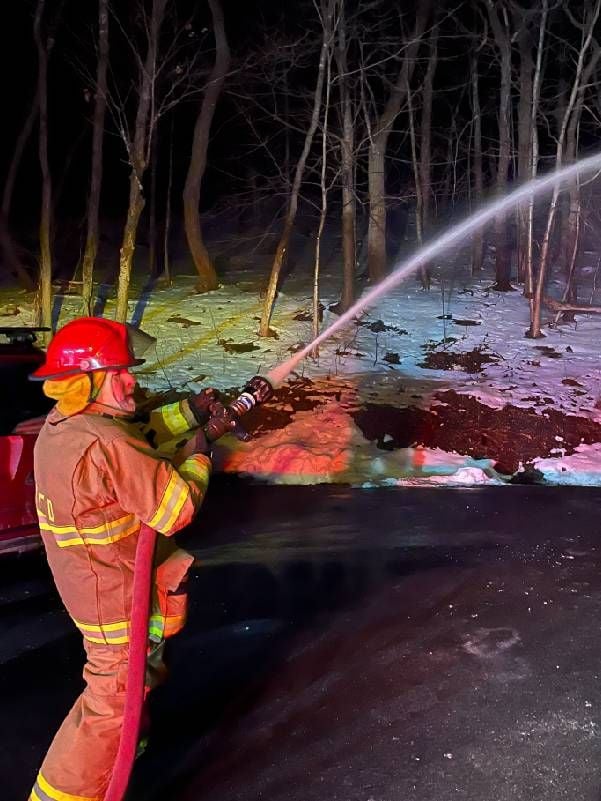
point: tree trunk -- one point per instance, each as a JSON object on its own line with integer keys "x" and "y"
{"x": 478, "y": 182}
{"x": 323, "y": 187}
{"x": 376, "y": 247}
{"x": 425, "y": 146}
{"x": 44, "y": 300}
{"x": 570, "y": 293}
{"x": 91, "y": 248}
{"x": 448, "y": 191}
{"x": 207, "y": 277}
{"x": 571, "y": 218}
{"x": 282, "y": 247}
{"x": 503, "y": 41}
{"x": 529, "y": 276}
{"x": 376, "y": 229}
{"x": 418, "y": 189}
{"x": 138, "y": 157}
{"x": 152, "y": 215}
{"x": 128, "y": 246}
{"x": 423, "y": 169}
{"x": 166, "y": 260}
{"x": 524, "y": 144}
{"x": 535, "y": 324}
{"x": 347, "y": 169}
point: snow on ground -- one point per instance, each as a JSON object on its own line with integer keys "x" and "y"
{"x": 212, "y": 340}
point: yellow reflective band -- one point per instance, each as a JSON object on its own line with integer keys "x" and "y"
{"x": 181, "y": 500}
{"x": 156, "y": 628}
{"x": 174, "y": 419}
{"x": 60, "y": 535}
{"x": 57, "y": 795}
{"x": 169, "y": 490}
{"x": 106, "y": 634}
{"x": 110, "y": 538}
{"x": 112, "y": 532}
{"x": 176, "y": 494}
{"x": 197, "y": 468}
{"x": 183, "y": 497}
{"x": 106, "y": 627}
{"x": 58, "y": 529}
{"x": 108, "y": 526}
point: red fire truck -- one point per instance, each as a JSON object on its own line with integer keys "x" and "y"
{"x": 22, "y": 410}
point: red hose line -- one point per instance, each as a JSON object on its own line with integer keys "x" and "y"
{"x": 136, "y": 672}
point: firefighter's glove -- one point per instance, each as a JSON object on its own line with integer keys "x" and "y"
{"x": 202, "y": 404}
{"x": 222, "y": 421}
{"x": 196, "y": 444}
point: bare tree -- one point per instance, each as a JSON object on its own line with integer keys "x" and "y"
{"x": 347, "y": 166}
{"x": 207, "y": 277}
{"x": 167, "y": 226}
{"x": 282, "y": 248}
{"x": 138, "y": 153}
{"x": 499, "y": 22}
{"x": 152, "y": 212}
{"x": 378, "y": 142}
{"x": 536, "y": 87}
{"x": 571, "y": 222}
{"x": 43, "y": 303}
{"x": 524, "y": 129}
{"x": 91, "y": 247}
{"x": 419, "y": 201}
{"x": 477, "y": 171}
{"x": 322, "y": 178}
{"x": 422, "y": 165}
{"x": 587, "y": 28}
{"x": 425, "y": 147}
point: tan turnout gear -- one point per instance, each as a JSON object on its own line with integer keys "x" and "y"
{"x": 97, "y": 479}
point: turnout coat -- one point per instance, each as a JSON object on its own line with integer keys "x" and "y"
{"x": 98, "y": 478}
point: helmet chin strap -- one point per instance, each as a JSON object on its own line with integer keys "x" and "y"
{"x": 94, "y": 392}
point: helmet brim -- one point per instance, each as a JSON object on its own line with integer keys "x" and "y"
{"x": 42, "y": 374}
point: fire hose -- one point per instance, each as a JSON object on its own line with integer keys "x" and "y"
{"x": 257, "y": 391}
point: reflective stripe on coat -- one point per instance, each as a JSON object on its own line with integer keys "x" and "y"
{"x": 90, "y": 502}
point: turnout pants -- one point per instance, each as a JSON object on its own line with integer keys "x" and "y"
{"x": 79, "y": 762}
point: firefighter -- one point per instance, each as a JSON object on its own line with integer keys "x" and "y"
{"x": 97, "y": 479}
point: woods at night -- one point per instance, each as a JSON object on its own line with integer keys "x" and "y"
{"x": 300, "y": 421}
{"x": 376, "y": 123}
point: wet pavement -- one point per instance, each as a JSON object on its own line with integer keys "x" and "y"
{"x": 368, "y": 645}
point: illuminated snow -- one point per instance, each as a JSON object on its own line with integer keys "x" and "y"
{"x": 193, "y": 330}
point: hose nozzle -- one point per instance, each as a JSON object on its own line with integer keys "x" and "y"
{"x": 258, "y": 390}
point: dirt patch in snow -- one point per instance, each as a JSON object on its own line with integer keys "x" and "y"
{"x": 461, "y": 423}
{"x": 470, "y": 361}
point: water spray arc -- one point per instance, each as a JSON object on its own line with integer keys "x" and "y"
{"x": 450, "y": 237}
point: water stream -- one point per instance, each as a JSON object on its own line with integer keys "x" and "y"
{"x": 452, "y": 236}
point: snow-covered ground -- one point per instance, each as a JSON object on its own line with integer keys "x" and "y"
{"x": 212, "y": 340}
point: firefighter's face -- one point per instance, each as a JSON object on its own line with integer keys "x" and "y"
{"x": 122, "y": 385}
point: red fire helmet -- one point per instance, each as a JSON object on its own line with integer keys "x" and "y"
{"x": 85, "y": 345}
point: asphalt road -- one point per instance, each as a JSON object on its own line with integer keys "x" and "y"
{"x": 368, "y": 645}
